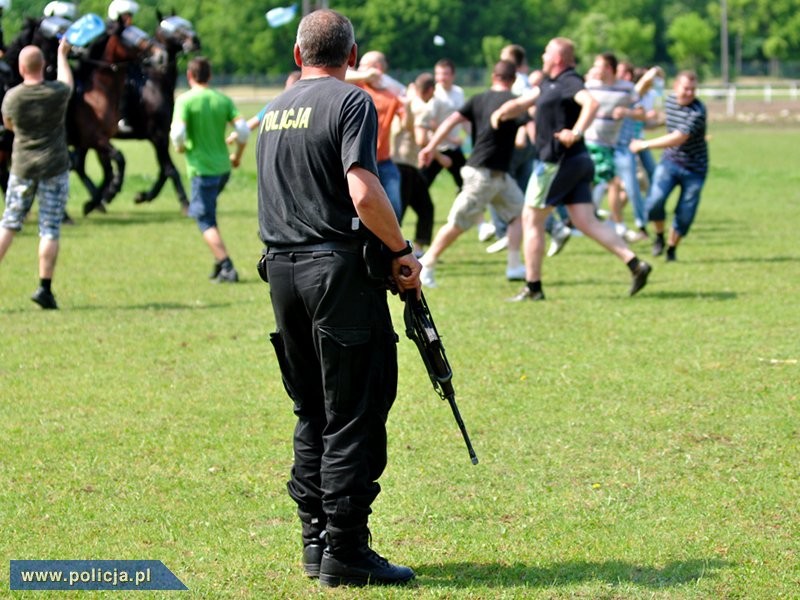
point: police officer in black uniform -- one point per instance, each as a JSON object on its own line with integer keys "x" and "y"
{"x": 319, "y": 200}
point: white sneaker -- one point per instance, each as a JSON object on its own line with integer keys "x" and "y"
{"x": 426, "y": 277}
{"x": 516, "y": 273}
{"x": 560, "y": 236}
{"x": 486, "y": 231}
{"x": 498, "y": 246}
{"x": 620, "y": 229}
{"x": 633, "y": 237}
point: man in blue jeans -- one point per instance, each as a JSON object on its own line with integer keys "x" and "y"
{"x": 198, "y": 128}
{"x": 683, "y": 164}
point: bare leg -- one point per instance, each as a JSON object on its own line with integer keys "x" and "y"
{"x": 616, "y": 201}
{"x": 444, "y": 237}
{"x": 583, "y": 217}
{"x": 213, "y": 238}
{"x": 514, "y": 233}
{"x": 48, "y": 253}
{"x": 6, "y": 237}
{"x": 533, "y": 220}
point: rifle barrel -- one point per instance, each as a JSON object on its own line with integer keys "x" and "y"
{"x": 451, "y": 399}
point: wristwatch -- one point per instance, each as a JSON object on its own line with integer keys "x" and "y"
{"x": 578, "y": 133}
{"x": 405, "y": 251}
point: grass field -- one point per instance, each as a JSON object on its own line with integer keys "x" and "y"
{"x": 641, "y": 447}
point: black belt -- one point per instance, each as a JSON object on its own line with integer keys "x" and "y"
{"x": 335, "y": 246}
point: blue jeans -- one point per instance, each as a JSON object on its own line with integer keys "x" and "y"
{"x": 389, "y": 175}
{"x": 203, "y": 203}
{"x": 625, "y": 164}
{"x": 666, "y": 178}
{"x": 648, "y": 163}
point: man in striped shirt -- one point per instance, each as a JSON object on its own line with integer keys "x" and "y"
{"x": 683, "y": 164}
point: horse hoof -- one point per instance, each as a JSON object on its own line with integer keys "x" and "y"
{"x": 88, "y": 207}
{"x": 140, "y": 198}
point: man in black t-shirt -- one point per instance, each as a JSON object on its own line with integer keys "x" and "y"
{"x": 319, "y": 199}
{"x": 564, "y": 109}
{"x": 486, "y": 178}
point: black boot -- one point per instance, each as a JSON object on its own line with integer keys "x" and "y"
{"x": 348, "y": 560}
{"x": 314, "y": 542}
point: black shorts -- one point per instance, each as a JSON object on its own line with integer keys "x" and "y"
{"x": 566, "y": 182}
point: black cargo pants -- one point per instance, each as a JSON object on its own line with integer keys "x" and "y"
{"x": 337, "y": 352}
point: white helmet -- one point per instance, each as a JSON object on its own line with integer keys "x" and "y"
{"x": 121, "y": 7}
{"x": 5, "y": 4}
{"x": 57, "y": 8}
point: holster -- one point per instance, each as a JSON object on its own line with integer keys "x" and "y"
{"x": 377, "y": 259}
{"x": 261, "y": 267}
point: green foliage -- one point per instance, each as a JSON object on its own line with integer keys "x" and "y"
{"x": 691, "y": 38}
{"x": 592, "y": 36}
{"x": 776, "y": 47}
{"x": 238, "y": 40}
{"x": 632, "y": 40}
{"x": 631, "y": 448}
{"x": 492, "y": 45}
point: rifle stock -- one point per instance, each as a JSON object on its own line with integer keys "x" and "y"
{"x": 421, "y": 329}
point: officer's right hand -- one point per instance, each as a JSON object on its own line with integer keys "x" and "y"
{"x": 405, "y": 272}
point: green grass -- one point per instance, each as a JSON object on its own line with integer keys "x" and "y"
{"x": 630, "y": 448}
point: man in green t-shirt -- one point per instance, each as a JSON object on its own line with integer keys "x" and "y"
{"x": 198, "y": 129}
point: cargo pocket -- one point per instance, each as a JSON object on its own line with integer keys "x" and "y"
{"x": 347, "y": 359}
{"x": 283, "y": 363}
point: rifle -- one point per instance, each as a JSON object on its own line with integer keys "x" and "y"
{"x": 421, "y": 329}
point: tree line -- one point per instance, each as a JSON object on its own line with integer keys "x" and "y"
{"x": 415, "y": 33}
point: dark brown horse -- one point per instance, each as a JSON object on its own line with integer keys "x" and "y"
{"x": 93, "y": 112}
{"x": 151, "y": 103}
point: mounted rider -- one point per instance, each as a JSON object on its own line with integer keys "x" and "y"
{"x": 120, "y": 15}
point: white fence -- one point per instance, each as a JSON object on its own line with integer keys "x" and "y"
{"x": 766, "y": 93}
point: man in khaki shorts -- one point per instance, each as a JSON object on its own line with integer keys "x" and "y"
{"x": 486, "y": 178}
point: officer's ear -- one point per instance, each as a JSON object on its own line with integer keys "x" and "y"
{"x": 297, "y": 58}
{"x": 352, "y": 59}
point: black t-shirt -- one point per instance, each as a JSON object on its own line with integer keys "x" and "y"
{"x": 491, "y": 148}
{"x": 309, "y": 138}
{"x": 556, "y": 109}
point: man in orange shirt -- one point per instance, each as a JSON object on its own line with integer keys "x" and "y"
{"x": 388, "y": 104}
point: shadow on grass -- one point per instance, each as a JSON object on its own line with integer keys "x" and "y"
{"x": 692, "y": 295}
{"x": 614, "y": 572}
{"x": 155, "y": 306}
{"x": 131, "y": 218}
{"x": 749, "y": 259}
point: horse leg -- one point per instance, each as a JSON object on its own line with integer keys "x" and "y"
{"x": 95, "y": 201}
{"x": 78, "y": 164}
{"x": 167, "y": 170}
{"x": 177, "y": 182}
{"x": 154, "y": 191}
{"x": 114, "y": 177}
